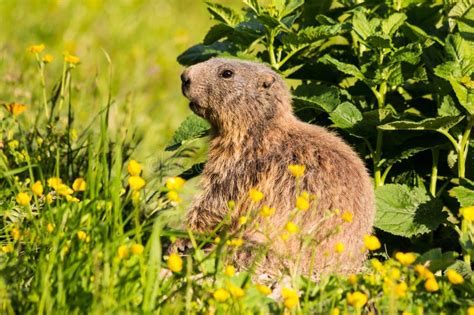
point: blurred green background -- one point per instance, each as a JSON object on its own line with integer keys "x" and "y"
{"x": 142, "y": 38}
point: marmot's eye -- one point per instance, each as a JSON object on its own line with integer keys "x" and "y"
{"x": 226, "y": 74}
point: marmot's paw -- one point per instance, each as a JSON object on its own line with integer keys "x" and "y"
{"x": 180, "y": 247}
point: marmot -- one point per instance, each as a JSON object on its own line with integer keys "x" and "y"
{"x": 255, "y": 137}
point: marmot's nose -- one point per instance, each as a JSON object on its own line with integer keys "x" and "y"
{"x": 185, "y": 80}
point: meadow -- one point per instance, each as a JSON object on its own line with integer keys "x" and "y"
{"x": 99, "y": 153}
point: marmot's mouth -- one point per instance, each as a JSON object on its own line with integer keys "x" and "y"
{"x": 198, "y": 110}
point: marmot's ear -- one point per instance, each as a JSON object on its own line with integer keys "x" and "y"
{"x": 265, "y": 81}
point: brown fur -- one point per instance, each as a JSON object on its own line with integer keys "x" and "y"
{"x": 255, "y": 138}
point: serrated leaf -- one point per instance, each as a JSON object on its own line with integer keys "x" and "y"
{"x": 392, "y": 23}
{"x": 378, "y": 41}
{"x": 437, "y": 260}
{"x": 448, "y": 107}
{"x": 458, "y": 11}
{"x": 253, "y": 4}
{"x": 444, "y": 123}
{"x": 216, "y": 33}
{"x": 309, "y": 35}
{"x": 406, "y": 211}
{"x": 464, "y": 195}
{"x": 199, "y": 53}
{"x": 321, "y": 97}
{"x": 346, "y": 68}
{"x": 223, "y": 14}
{"x": 421, "y": 34}
{"x": 291, "y": 6}
{"x": 409, "y": 53}
{"x": 192, "y": 127}
{"x": 464, "y": 95}
{"x": 361, "y": 25}
{"x": 346, "y": 115}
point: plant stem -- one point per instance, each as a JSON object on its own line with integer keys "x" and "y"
{"x": 271, "y": 50}
{"x": 434, "y": 171}
{"x": 376, "y": 160}
{"x": 463, "y": 148}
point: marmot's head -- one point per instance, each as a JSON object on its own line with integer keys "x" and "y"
{"x": 233, "y": 93}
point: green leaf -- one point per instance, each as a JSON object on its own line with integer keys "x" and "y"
{"x": 464, "y": 195}
{"x": 291, "y": 6}
{"x": 346, "y": 115}
{"x": 321, "y": 97}
{"x": 216, "y": 33}
{"x": 199, "y": 53}
{"x": 309, "y": 35}
{"x": 438, "y": 123}
{"x": 437, "y": 260}
{"x": 448, "y": 107}
{"x": 458, "y": 11}
{"x": 346, "y": 68}
{"x": 361, "y": 25}
{"x": 378, "y": 41}
{"x": 409, "y": 53}
{"x": 392, "y": 23}
{"x": 406, "y": 211}
{"x": 253, "y": 4}
{"x": 223, "y": 14}
{"x": 464, "y": 95}
{"x": 192, "y": 127}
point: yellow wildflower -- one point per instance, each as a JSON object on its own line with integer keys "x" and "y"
{"x": 347, "y": 216}
{"x": 13, "y": 144}
{"x": 64, "y": 190}
{"x": 263, "y": 289}
{"x": 72, "y": 199}
{"x": 23, "y": 199}
{"x": 424, "y": 272}
{"x": 71, "y": 59}
{"x": 48, "y": 58}
{"x": 255, "y": 195}
{"x": 242, "y": 220}
{"x": 221, "y": 295}
{"x": 401, "y": 289}
{"x": 335, "y": 311}
{"x": 134, "y": 168}
{"x": 371, "y": 242}
{"x": 356, "y": 299}
{"x": 470, "y": 310}
{"x": 236, "y": 291}
{"x": 291, "y": 227}
{"x": 79, "y": 184}
{"x": 175, "y": 183}
{"x": 7, "y": 248}
{"x": 231, "y": 204}
{"x": 49, "y": 199}
{"x": 54, "y": 182}
{"x": 37, "y": 188}
{"x": 290, "y": 297}
{"x": 468, "y": 213}
{"x": 339, "y": 248}
{"x": 16, "y": 234}
{"x": 296, "y": 170}
{"x": 302, "y": 203}
{"x": 50, "y": 228}
{"x": 137, "y": 249}
{"x": 267, "y": 211}
{"x": 175, "y": 263}
{"x": 405, "y": 259}
{"x": 122, "y": 251}
{"x": 36, "y": 48}
{"x": 431, "y": 285}
{"x": 454, "y": 277}
{"x": 395, "y": 273}
{"x": 237, "y": 242}
{"x": 285, "y": 236}
{"x": 217, "y": 240}
{"x": 136, "y": 182}
{"x": 15, "y": 108}
{"x": 81, "y": 235}
{"x": 230, "y": 270}
{"x": 352, "y": 279}
{"x": 173, "y": 196}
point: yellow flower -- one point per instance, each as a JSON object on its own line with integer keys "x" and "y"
{"x": 49, "y": 199}
{"x": 64, "y": 190}
{"x": 54, "y": 182}
{"x": 72, "y": 59}
{"x": 401, "y": 289}
{"x": 352, "y": 279}
{"x": 302, "y": 203}
{"x": 339, "y": 248}
{"x": 173, "y": 196}
{"x": 395, "y": 273}
{"x": 137, "y": 249}
{"x": 48, "y": 58}
{"x": 230, "y": 270}
{"x": 377, "y": 265}
{"x": 263, "y": 289}
{"x": 242, "y": 220}
{"x": 255, "y": 195}
{"x": 231, "y": 204}
{"x": 15, "y": 108}
{"x": 37, "y": 188}
{"x": 136, "y": 182}
{"x": 36, "y": 48}
{"x": 175, "y": 183}
{"x": 431, "y": 285}
{"x": 79, "y": 184}
{"x": 291, "y": 227}
{"x": 82, "y": 235}
{"x": 267, "y": 211}
{"x": 347, "y": 216}
{"x": 217, "y": 240}
{"x": 424, "y": 272}
{"x": 290, "y": 297}
{"x": 335, "y": 311}
{"x": 237, "y": 242}
{"x": 296, "y": 170}
{"x": 221, "y": 295}
{"x": 175, "y": 263}
{"x": 122, "y": 251}
{"x": 470, "y": 310}
{"x": 7, "y": 248}
{"x": 50, "y": 228}
{"x": 16, "y": 234}
{"x": 406, "y": 313}
{"x": 72, "y": 199}
{"x": 454, "y": 277}
{"x": 23, "y": 199}
{"x": 371, "y": 242}
{"x": 356, "y": 299}
{"x": 405, "y": 259}
{"x": 468, "y": 213}
{"x": 236, "y": 291}
{"x": 134, "y": 168}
